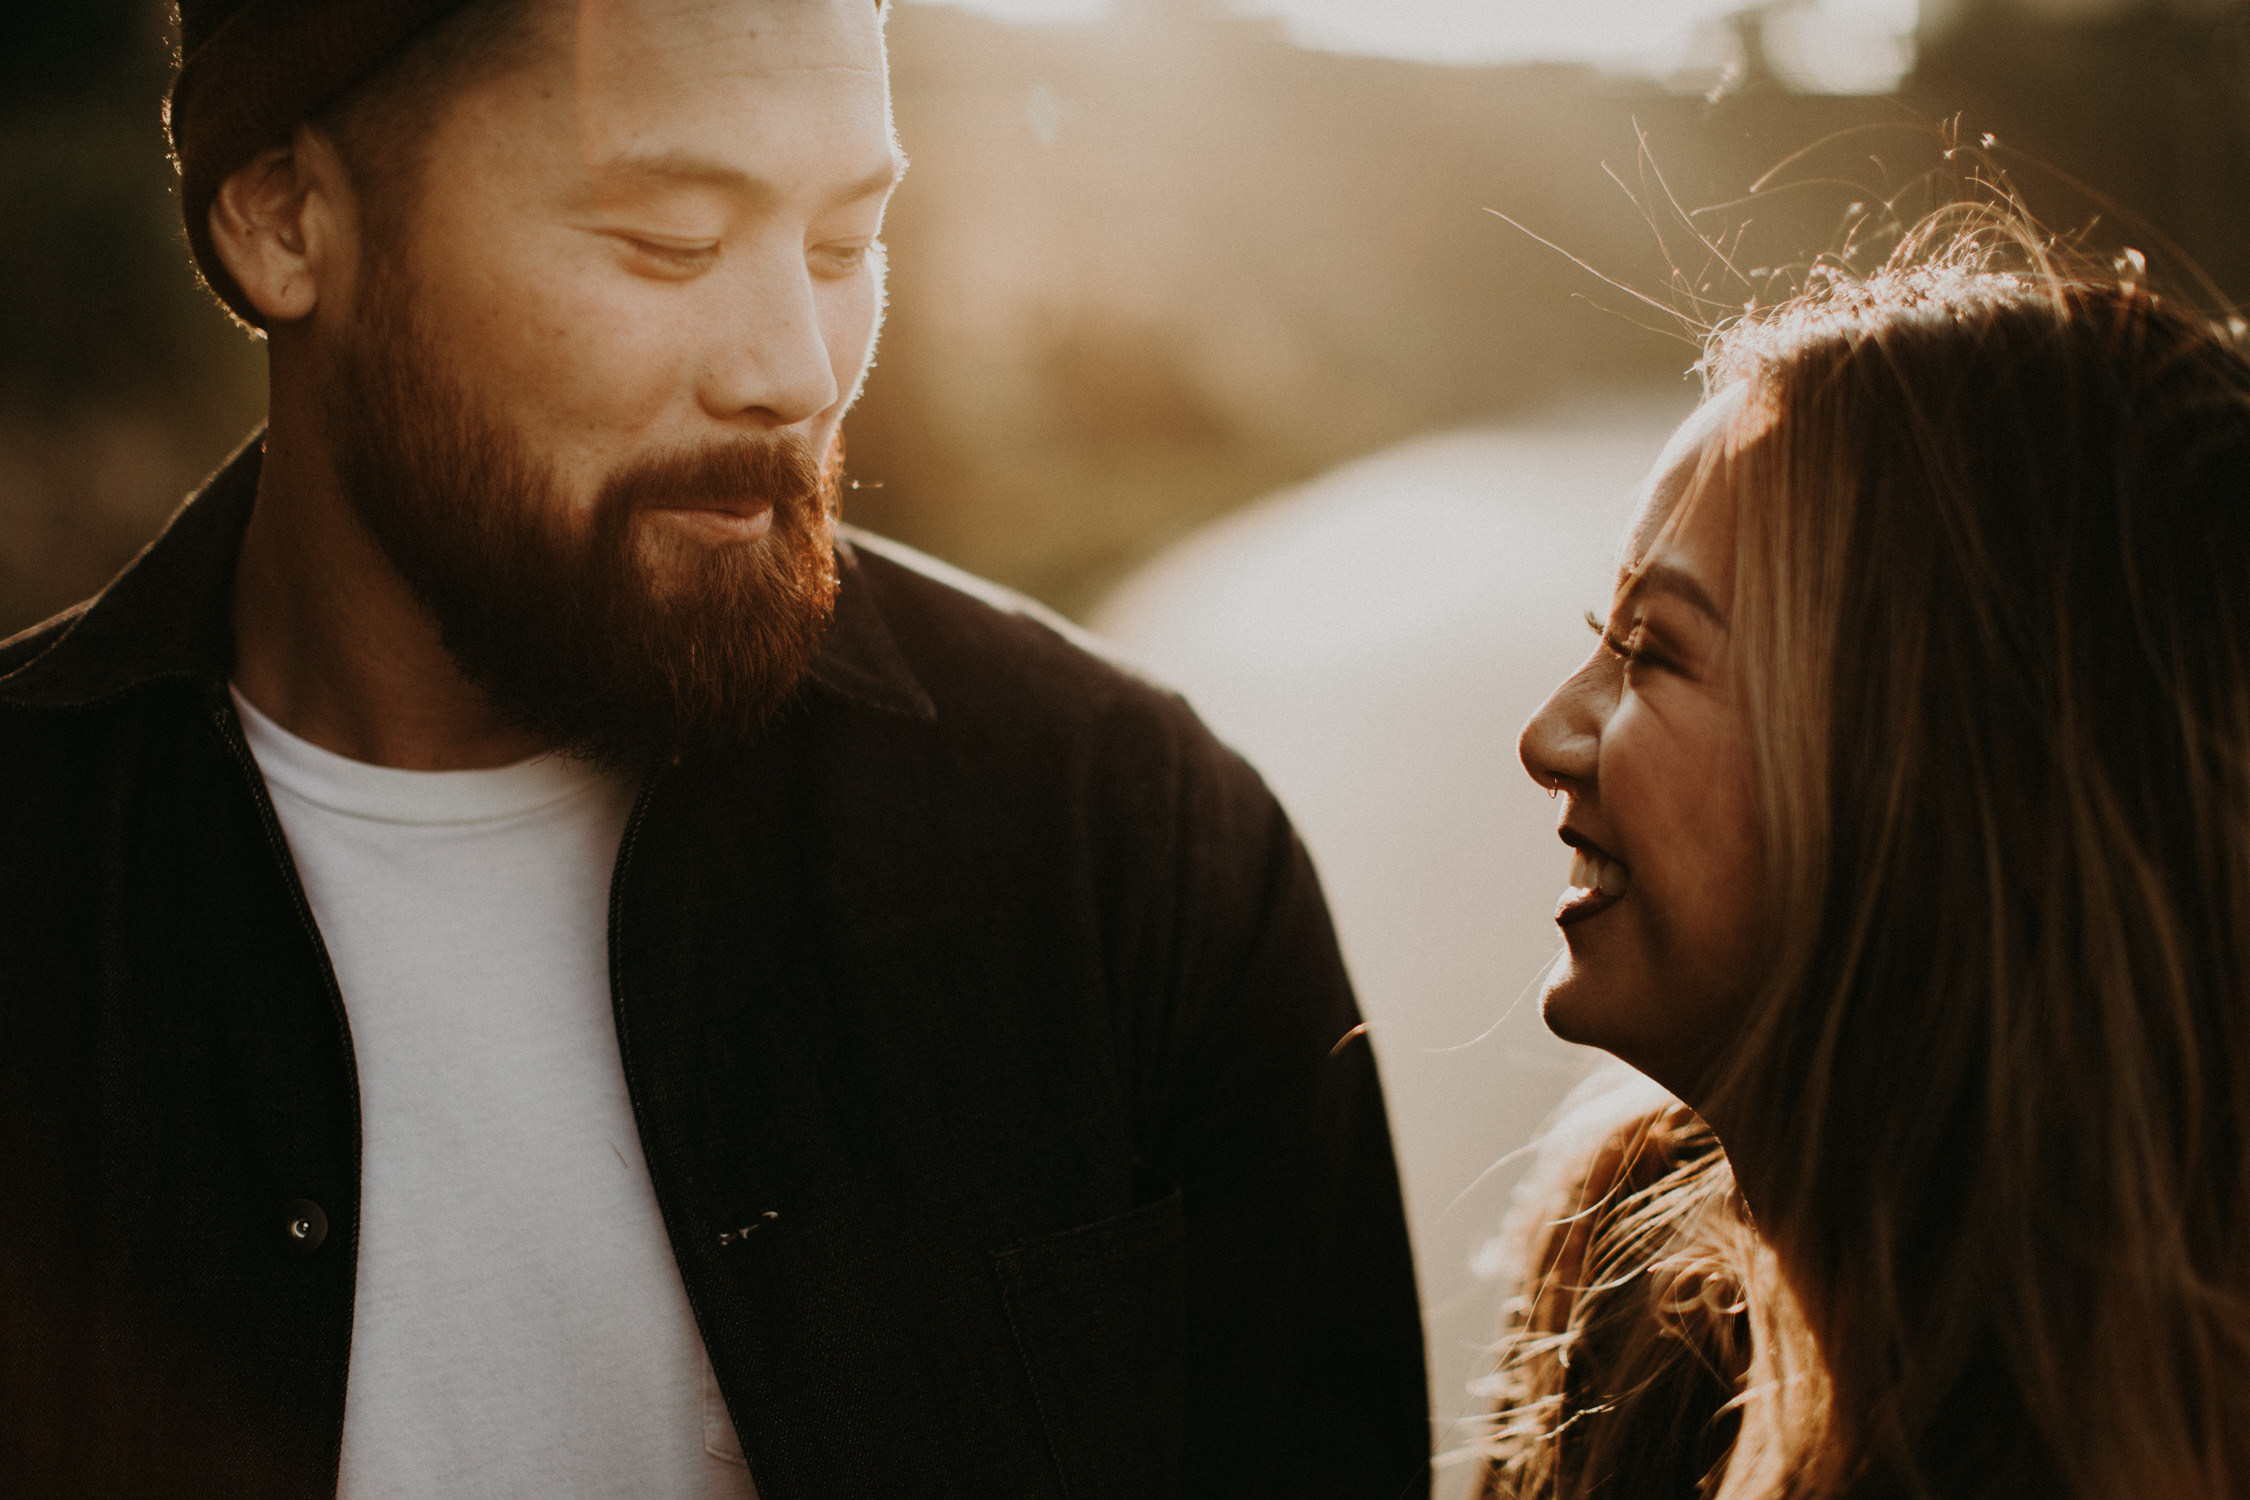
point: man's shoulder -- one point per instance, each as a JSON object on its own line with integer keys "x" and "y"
{"x": 1030, "y": 701}
{"x": 28, "y": 645}
{"x": 972, "y": 642}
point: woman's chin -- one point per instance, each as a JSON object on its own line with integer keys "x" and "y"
{"x": 1574, "y": 1007}
{"x": 1622, "y": 1020}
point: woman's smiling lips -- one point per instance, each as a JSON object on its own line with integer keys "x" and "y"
{"x": 1597, "y": 882}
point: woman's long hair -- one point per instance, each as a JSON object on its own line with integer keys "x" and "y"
{"x": 1992, "y": 610}
{"x": 1992, "y": 619}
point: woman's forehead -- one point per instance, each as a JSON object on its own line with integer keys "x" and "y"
{"x": 1675, "y": 469}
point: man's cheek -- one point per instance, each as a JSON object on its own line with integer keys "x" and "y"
{"x": 853, "y": 321}
{"x": 607, "y": 389}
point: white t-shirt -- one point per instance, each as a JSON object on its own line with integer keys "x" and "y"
{"x": 520, "y": 1327}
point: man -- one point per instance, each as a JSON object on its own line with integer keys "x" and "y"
{"x": 885, "y": 1052}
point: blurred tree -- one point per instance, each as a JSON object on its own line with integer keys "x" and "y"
{"x": 119, "y": 382}
{"x": 2145, "y": 102}
{"x": 64, "y": 52}
{"x": 1143, "y": 270}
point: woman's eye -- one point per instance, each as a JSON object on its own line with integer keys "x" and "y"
{"x": 1631, "y": 646}
{"x": 1617, "y": 645}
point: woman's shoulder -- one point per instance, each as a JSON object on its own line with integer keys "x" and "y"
{"x": 1624, "y": 1337}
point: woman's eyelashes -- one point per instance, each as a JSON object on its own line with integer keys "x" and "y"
{"x": 1631, "y": 645}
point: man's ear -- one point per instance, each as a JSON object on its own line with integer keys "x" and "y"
{"x": 284, "y": 224}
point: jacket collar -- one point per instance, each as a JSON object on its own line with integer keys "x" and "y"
{"x": 169, "y": 616}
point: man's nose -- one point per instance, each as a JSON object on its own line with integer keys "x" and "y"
{"x": 1561, "y": 745}
{"x": 769, "y": 360}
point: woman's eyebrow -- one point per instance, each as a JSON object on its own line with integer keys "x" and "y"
{"x": 1662, "y": 577}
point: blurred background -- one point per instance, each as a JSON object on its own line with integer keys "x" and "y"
{"x": 1207, "y": 330}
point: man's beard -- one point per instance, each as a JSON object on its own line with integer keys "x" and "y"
{"x": 567, "y": 628}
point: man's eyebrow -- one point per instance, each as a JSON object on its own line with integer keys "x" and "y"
{"x": 1662, "y": 577}
{"x": 686, "y": 169}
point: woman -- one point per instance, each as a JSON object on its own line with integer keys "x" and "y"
{"x": 1908, "y": 790}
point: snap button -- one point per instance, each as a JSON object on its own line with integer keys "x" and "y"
{"x": 737, "y": 1236}
{"x": 303, "y": 1225}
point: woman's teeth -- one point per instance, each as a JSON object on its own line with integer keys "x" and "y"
{"x": 1590, "y": 872}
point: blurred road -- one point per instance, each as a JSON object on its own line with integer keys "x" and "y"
{"x": 1373, "y": 640}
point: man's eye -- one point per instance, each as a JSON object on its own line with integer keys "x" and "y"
{"x": 843, "y": 260}
{"x": 670, "y": 258}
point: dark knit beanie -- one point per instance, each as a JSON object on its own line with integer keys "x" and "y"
{"x": 251, "y": 71}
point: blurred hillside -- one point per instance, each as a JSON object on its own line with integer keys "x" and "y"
{"x": 1148, "y": 269}
{"x": 1144, "y": 270}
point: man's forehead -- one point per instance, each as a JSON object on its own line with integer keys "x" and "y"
{"x": 617, "y": 38}
{"x": 659, "y": 94}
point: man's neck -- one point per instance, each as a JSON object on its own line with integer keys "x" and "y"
{"x": 332, "y": 645}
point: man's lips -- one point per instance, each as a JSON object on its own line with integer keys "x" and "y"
{"x": 1598, "y": 881}
{"x": 735, "y": 521}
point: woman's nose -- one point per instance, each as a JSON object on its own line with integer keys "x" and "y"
{"x": 1561, "y": 745}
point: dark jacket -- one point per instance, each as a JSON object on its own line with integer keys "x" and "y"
{"x": 990, "y": 1049}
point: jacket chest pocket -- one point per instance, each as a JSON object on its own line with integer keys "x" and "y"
{"x": 1099, "y": 1316}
